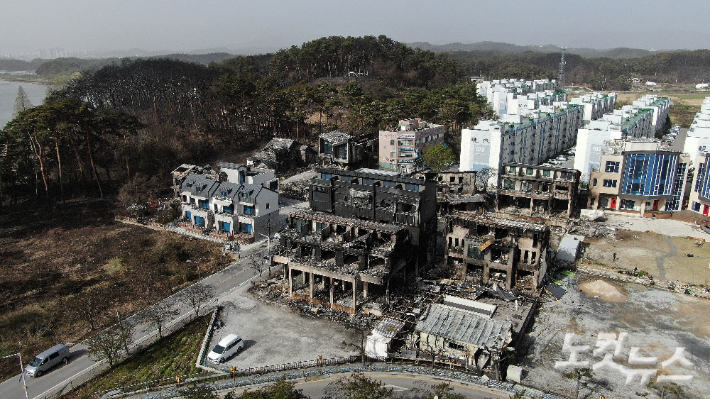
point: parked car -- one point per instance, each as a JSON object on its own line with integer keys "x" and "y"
{"x": 561, "y": 158}
{"x": 228, "y": 346}
{"x": 46, "y": 360}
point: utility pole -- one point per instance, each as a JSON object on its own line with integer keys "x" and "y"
{"x": 22, "y": 371}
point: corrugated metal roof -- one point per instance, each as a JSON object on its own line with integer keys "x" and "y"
{"x": 464, "y": 326}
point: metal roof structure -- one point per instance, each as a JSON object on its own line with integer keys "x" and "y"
{"x": 464, "y": 326}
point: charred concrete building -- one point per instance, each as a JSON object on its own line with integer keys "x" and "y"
{"x": 537, "y": 191}
{"x": 282, "y": 154}
{"x": 456, "y": 191}
{"x": 363, "y": 227}
{"x": 343, "y": 150}
{"x": 486, "y": 248}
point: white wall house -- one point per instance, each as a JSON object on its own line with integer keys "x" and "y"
{"x": 231, "y": 207}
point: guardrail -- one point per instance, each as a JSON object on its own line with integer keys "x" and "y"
{"x": 326, "y": 368}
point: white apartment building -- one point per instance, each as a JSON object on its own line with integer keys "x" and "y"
{"x": 503, "y": 94}
{"x": 629, "y": 122}
{"x": 595, "y": 104}
{"x": 697, "y": 140}
{"x": 515, "y": 139}
{"x": 660, "y": 106}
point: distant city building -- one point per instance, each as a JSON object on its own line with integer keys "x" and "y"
{"x": 402, "y": 150}
{"x": 633, "y": 179}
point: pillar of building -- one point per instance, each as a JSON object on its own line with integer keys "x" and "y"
{"x": 364, "y": 289}
{"x": 532, "y": 205}
{"x": 332, "y": 291}
{"x": 303, "y": 277}
{"x": 355, "y": 293}
{"x": 311, "y": 278}
{"x": 569, "y": 205}
{"x": 290, "y": 281}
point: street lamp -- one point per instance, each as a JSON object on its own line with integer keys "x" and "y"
{"x": 22, "y": 370}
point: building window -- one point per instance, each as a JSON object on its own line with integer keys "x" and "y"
{"x": 529, "y": 171}
{"x": 268, "y": 205}
{"x": 326, "y": 176}
{"x": 248, "y": 210}
{"x": 609, "y": 183}
{"x": 368, "y": 182}
{"x": 512, "y": 169}
{"x": 594, "y": 181}
{"x": 611, "y": 167}
{"x": 546, "y": 173}
{"x": 391, "y": 142}
{"x": 456, "y": 346}
{"x": 627, "y": 204}
{"x": 696, "y": 206}
{"x": 412, "y": 187}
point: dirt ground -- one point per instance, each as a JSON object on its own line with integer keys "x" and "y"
{"x": 276, "y": 335}
{"x": 664, "y": 257}
{"x": 63, "y": 264}
{"x": 657, "y": 321}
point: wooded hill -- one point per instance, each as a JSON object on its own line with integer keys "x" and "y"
{"x": 145, "y": 116}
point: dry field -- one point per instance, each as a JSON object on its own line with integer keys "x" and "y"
{"x": 70, "y": 267}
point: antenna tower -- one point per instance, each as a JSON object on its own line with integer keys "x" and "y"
{"x": 561, "y": 74}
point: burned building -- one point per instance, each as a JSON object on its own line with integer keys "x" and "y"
{"x": 487, "y": 248}
{"x": 343, "y": 150}
{"x": 282, "y": 154}
{"x": 456, "y": 191}
{"x": 537, "y": 191}
{"x": 364, "y": 227}
{"x": 181, "y": 172}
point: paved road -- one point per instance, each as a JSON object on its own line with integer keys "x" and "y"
{"x": 81, "y": 367}
{"x": 408, "y": 386}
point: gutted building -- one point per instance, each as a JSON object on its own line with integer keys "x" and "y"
{"x": 455, "y": 190}
{"x": 465, "y": 331}
{"x": 341, "y": 149}
{"x": 282, "y": 154}
{"x": 485, "y": 248}
{"x": 537, "y": 191}
{"x": 363, "y": 227}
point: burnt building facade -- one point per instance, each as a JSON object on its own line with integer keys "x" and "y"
{"x": 486, "y": 248}
{"x": 456, "y": 191}
{"x": 363, "y": 227}
{"x": 537, "y": 191}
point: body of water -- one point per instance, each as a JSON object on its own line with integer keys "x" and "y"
{"x": 8, "y": 94}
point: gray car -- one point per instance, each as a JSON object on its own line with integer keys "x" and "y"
{"x": 47, "y": 359}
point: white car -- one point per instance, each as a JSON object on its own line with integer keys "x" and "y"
{"x": 561, "y": 158}
{"x": 228, "y": 346}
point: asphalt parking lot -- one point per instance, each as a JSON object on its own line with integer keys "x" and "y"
{"x": 274, "y": 335}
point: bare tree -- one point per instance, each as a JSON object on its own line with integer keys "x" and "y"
{"x": 157, "y": 315}
{"x": 107, "y": 345}
{"x": 125, "y": 329}
{"x": 486, "y": 178}
{"x": 196, "y": 295}
{"x": 257, "y": 263}
{"x": 89, "y": 305}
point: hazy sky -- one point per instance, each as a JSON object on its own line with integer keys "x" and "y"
{"x": 185, "y": 25}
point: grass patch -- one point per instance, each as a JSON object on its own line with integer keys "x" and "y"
{"x": 168, "y": 358}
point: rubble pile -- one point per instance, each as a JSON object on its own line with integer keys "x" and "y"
{"x": 591, "y": 229}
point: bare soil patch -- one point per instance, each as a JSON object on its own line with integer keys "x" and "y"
{"x": 603, "y": 290}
